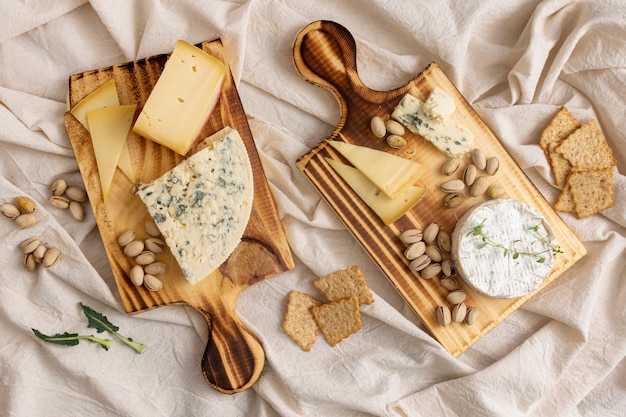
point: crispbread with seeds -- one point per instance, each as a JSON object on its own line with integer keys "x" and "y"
{"x": 587, "y": 149}
{"x": 566, "y": 200}
{"x": 560, "y": 127}
{"x": 592, "y": 191}
{"x": 338, "y": 319}
{"x": 299, "y": 322}
{"x": 343, "y": 284}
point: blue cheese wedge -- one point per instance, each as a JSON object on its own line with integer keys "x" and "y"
{"x": 439, "y": 105}
{"x": 516, "y": 268}
{"x": 202, "y": 206}
{"x": 449, "y": 136}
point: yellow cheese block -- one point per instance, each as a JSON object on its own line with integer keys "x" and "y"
{"x": 103, "y": 96}
{"x": 109, "y": 128}
{"x": 391, "y": 174}
{"x": 182, "y": 99}
{"x": 388, "y": 209}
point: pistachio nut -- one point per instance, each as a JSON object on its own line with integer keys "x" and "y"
{"x": 430, "y": 232}
{"x": 414, "y": 250}
{"x": 134, "y": 248}
{"x": 443, "y": 315}
{"x": 449, "y": 284}
{"x": 58, "y": 187}
{"x": 493, "y": 164}
{"x": 453, "y": 200}
{"x": 152, "y": 283}
{"x": 451, "y": 166}
{"x": 151, "y": 228}
{"x": 29, "y": 262}
{"x": 126, "y": 237}
{"x": 145, "y": 258}
{"x": 469, "y": 174}
{"x": 448, "y": 269}
{"x": 76, "y": 210}
{"x": 396, "y": 142}
{"x": 59, "y": 202}
{"x": 29, "y": 245}
{"x": 25, "y": 205}
{"x": 411, "y": 236}
{"x": 25, "y": 220}
{"x": 434, "y": 253}
{"x": 471, "y": 316}
{"x": 136, "y": 275}
{"x": 452, "y": 186}
{"x": 458, "y": 312}
{"x": 431, "y": 271}
{"x": 495, "y": 191}
{"x": 377, "y": 124}
{"x": 480, "y": 186}
{"x": 419, "y": 263}
{"x": 456, "y": 297}
{"x": 443, "y": 241}
{"x": 478, "y": 158}
{"x": 39, "y": 253}
{"x": 394, "y": 127}
{"x": 76, "y": 193}
{"x": 9, "y": 210}
{"x": 154, "y": 244}
{"x": 155, "y": 268}
{"x": 51, "y": 257}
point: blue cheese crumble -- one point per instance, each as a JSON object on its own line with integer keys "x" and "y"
{"x": 433, "y": 123}
{"x": 202, "y": 206}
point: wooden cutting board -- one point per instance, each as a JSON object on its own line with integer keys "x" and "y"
{"x": 325, "y": 55}
{"x": 233, "y": 359}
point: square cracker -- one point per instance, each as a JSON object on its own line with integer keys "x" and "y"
{"x": 343, "y": 284}
{"x": 560, "y": 127}
{"x": 338, "y": 319}
{"x": 299, "y": 322}
{"x": 592, "y": 191}
{"x": 587, "y": 149}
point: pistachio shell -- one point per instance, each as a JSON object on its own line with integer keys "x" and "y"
{"x": 51, "y": 257}
{"x": 126, "y": 237}
{"x": 452, "y": 186}
{"x": 29, "y": 245}
{"x": 480, "y": 186}
{"x": 9, "y": 210}
{"x": 448, "y": 269}
{"x": 443, "y": 241}
{"x": 451, "y": 166}
{"x": 136, "y": 275}
{"x": 145, "y": 258}
{"x": 76, "y": 193}
{"x": 77, "y": 211}
{"x": 377, "y": 124}
{"x": 478, "y": 158}
{"x": 444, "y": 316}
{"x": 59, "y": 202}
{"x": 29, "y": 262}
{"x": 394, "y": 128}
{"x": 39, "y": 253}
{"x": 449, "y": 284}
{"x": 411, "y": 236}
{"x": 419, "y": 263}
{"x": 434, "y": 253}
{"x": 134, "y": 248}
{"x": 430, "y": 232}
{"x": 493, "y": 164}
{"x": 152, "y": 283}
{"x": 25, "y": 220}
{"x": 495, "y": 191}
{"x": 431, "y": 271}
{"x": 471, "y": 316}
{"x": 155, "y": 268}
{"x": 469, "y": 175}
{"x": 58, "y": 187}
{"x": 453, "y": 200}
{"x": 396, "y": 142}
{"x": 151, "y": 228}
{"x": 459, "y": 312}
{"x": 154, "y": 244}
{"x": 414, "y": 250}
{"x": 456, "y": 297}
{"x": 25, "y": 205}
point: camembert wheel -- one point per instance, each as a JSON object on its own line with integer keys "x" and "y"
{"x": 503, "y": 248}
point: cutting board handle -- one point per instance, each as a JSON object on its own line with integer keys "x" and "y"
{"x": 325, "y": 55}
{"x": 233, "y": 358}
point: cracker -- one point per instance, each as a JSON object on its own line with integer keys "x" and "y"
{"x": 338, "y": 319}
{"x": 566, "y": 200}
{"x": 343, "y": 284}
{"x": 592, "y": 191}
{"x": 587, "y": 149}
{"x": 299, "y": 322}
{"x": 560, "y": 127}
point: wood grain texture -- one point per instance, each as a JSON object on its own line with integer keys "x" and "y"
{"x": 233, "y": 359}
{"x": 325, "y": 55}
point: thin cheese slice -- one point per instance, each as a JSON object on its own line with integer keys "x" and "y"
{"x": 391, "y": 174}
{"x": 109, "y": 128}
{"x": 388, "y": 209}
{"x": 103, "y": 96}
{"x": 182, "y": 99}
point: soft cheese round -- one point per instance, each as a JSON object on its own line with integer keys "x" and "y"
{"x": 492, "y": 270}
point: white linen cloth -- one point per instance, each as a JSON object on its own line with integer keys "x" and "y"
{"x": 516, "y": 62}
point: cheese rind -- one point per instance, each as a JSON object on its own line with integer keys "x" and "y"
{"x": 391, "y": 174}
{"x": 387, "y": 209}
{"x": 182, "y": 99}
{"x": 202, "y": 206}
{"x": 109, "y": 128}
{"x": 450, "y": 137}
{"x": 490, "y": 270}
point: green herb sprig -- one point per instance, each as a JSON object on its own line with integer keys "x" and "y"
{"x": 478, "y": 231}
{"x": 96, "y": 321}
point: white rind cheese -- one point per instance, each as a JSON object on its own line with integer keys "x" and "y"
{"x": 202, "y": 206}
{"x": 449, "y": 136}
{"x": 488, "y": 269}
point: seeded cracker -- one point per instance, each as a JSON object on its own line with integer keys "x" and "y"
{"x": 299, "y": 322}
{"x": 592, "y": 191}
{"x": 343, "y": 284}
{"x": 566, "y": 200}
{"x": 586, "y": 149}
{"x": 338, "y": 319}
{"x": 560, "y": 127}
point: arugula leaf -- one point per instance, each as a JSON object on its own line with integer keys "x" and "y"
{"x": 71, "y": 339}
{"x": 101, "y": 323}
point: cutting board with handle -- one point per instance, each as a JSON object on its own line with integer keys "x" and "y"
{"x": 233, "y": 358}
{"x": 325, "y": 55}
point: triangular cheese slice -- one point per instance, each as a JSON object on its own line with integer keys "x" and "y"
{"x": 391, "y": 174}
{"x": 109, "y": 128}
{"x": 126, "y": 165}
{"x": 388, "y": 209}
{"x": 103, "y": 96}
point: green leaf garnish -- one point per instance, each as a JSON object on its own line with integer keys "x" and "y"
{"x": 71, "y": 339}
{"x": 101, "y": 323}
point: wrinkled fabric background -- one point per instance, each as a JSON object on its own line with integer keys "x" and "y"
{"x": 516, "y": 62}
